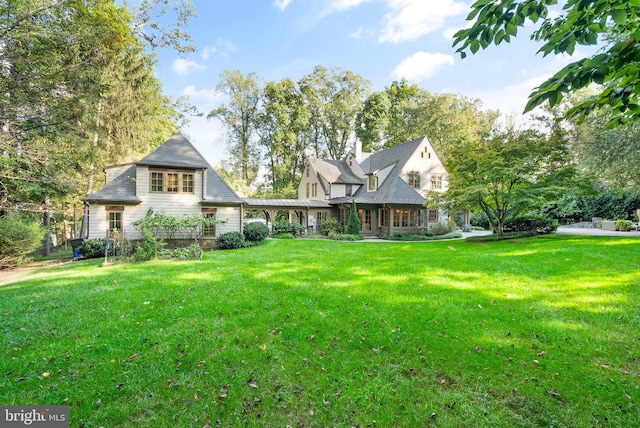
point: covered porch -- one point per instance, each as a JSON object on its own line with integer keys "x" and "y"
{"x": 306, "y": 212}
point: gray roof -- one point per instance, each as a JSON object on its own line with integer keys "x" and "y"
{"x": 394, "y": 190}
{"x": 335, "y": 171}
{"x": 122, "y": 189}
{"x": 177, "y": 152}
{"x": 286, "y": 203}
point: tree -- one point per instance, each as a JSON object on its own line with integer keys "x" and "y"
{"x": 334, "y": 98}
{"x": 283, "y": 121}
{"x": 405, "y": 112}
{"x": 240, "y": 116}
{"x": 506, "y": 175}
{"x": 353, "y": 225}
{"x": 616, "y": 23}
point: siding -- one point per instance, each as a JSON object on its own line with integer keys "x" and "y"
{"x": 177, "y": 205}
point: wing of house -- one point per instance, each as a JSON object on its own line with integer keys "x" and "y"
{"x": 176, "y": 179}
{"x": 388, "y": 186}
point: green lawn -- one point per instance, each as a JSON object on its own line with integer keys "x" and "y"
{"x": 538, "y": 332}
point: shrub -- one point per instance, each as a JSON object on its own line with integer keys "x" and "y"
{"x": 531, "y": 223}
{"x": 18, "y": 237}
{"x": 506, "y": 236}
{"x": 443, "y": 228}
{"x": 330, "y": 225}
{"x": 623, "y": 225}
{"x": 93, "y": 248}
{"x": 283, "y": 236}
{"x": 424, "y": 236}
{"x": 346, "y": 237}
{"x": 230, "y": 241}
{"x": 353, "y": 226}
{"x": 283, "y": 226}
{"x": 255, "y": 232}
{"x": 480, "y": 219}
{"x": 193, "y": 252}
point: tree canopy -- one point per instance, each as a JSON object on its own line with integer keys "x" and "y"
{"x": 614, "y": 23}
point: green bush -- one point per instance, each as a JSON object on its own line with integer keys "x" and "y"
{"x": 346, "y": 236}
{"x": 330, "y": 225}
{"x": 283, "y": 226}
{"x": 255, "y": 232}
{"x": 424, "y": 236}
{"x": 353, "y": 226}
{"x": 506, "y": 236}
{"x": 533, "y": 223}
{"x": 18, "y": 237}
{"x": 231, "y": 241}
{"x": 286, "y": 235}
{"x": 442, "y": 228}
{"x": 623, "y": 225}
{"x": 93, "y": 248}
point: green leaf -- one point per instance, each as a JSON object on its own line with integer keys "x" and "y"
{"x": 475, "y": 45}
{"x": 619, "y": 16}
{"x": 511, "y": 29}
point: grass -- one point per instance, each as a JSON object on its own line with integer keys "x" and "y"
{"x": 535, "y": 332}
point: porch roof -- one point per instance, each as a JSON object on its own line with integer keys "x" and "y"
{"x": 285, "y": 203}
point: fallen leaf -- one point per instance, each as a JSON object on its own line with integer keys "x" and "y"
{"x": 479, "y": 305}
{"x": 195, "y": 396}
{"x": 338, "y": 392}
{"x": 46, "y": 374}
{"x": 132, "y": 356}
{"x": 252, "y": 383}
{"x": 478, "y": 349}
{"x": 263, "y": 346}
{"x": 145, "y": 303}
{"x": 553, "y": 393}
{"x": 275, "y": 331}
{"x": 311, "y": 412}
{"x": 433, "y": 415}
{"x": 223, "y": 392}
{"x": 536, "y": 361}
{"x": 542, "y": 354}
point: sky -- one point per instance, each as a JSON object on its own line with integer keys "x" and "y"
{"x": 382, "y": 40}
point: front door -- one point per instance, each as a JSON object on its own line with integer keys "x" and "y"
{"x": 366, "y": 218}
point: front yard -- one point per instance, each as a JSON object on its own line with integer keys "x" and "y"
{"x": 536, "y": 332}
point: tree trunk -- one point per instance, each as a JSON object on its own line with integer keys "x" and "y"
{"x": 84, "y": 228}
{"x": 46, "y": 248}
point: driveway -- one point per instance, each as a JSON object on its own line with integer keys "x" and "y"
{"x": 569, "y": 230}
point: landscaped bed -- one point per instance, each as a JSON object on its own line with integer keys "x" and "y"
{"x": 535, "y": 332}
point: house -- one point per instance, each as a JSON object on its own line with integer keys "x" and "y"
{"x": 389, "y": 189}
{"x": 175, "y": 179}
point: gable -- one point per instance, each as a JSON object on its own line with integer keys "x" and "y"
{"x": 176, "y": 152}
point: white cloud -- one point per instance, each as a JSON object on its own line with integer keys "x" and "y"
{"x": 346, "y": 4}
{"x": 207, "y": 51}
{"x": 411, "y": 19}
{"x": 421, "y": 65}
{"x": 182, "y": 66}
{"x": 282, "y": 4}
{"x": 510, "y": 99}
{"x": 221, "y": 47}
{"x": 209, "y": 96}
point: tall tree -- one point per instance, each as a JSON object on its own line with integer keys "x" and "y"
{"x": 613, "y": 23}
{"x": 283, "y": 121}
{"x": 240, "y": 116}
{"x": 506, "y": 175}
{"x": 334, "y": 98}
{"x": 403, "y": 112}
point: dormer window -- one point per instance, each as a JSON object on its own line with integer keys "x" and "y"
{"x": 171, "y": 182}
{"x": 373, "y": 182}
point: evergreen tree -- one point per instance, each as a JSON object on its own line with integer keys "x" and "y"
{"x": 353, "y": 227}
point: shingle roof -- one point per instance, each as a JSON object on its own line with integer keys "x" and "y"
{"x": 393, "y": 190}
{"x": 335, "y": 171}
{"x": 177, "y": 152}
{"x": 121, "y": 189}
{"x": 288, "y": 203}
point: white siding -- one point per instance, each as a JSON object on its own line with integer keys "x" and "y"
{"x": 426, "y": 164}
{"x": 174, "y": 204}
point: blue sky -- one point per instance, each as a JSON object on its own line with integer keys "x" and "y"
{"x": 382, "y": 40}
